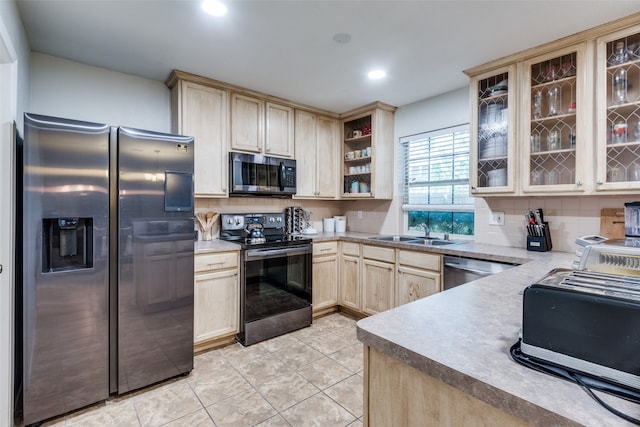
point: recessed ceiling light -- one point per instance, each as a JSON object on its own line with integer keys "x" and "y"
{"x": 341, "y": 38}
{"x": 214, "y": 7}
{"x": 376, "y": 74}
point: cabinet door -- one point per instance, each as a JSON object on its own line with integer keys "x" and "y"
{"x": 555, "y": 122}
{"x": 326, "y": 174}
{"x": 325, "y": 282}
{"x": 618, "y": 112}
{"x": 216, "y": 305}
{"x": 247, "y": 123}
{"x": 414, "y": 284}
{"x": 305, "y": 140}
{"x": 204, "y": 115}
{"x": 378, "y": 281}
{"x": 491, "y": 152}
{"x": 350, "y": 282}
{"x": 279, "y": 135}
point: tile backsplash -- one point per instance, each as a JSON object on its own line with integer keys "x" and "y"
{"x": 568, "y": 217}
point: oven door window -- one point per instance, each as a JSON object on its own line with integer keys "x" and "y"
{"x": 276, "y": 284}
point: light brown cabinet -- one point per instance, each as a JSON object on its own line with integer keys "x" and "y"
{"x": 263, "y": 127}
{"x": 316, "y": 148}
{"x": 575, "y": 115}
{"x": 203, "y": 112}
{"x": 378, "y": 279}
{"x": 367, "y": 152}
{"x": 350, "y": 282}
{"x": 492, "y": 164}
{"x": 618, "y": 112}
{"x": 325, "y": 277}
{"x": 554, "y": 121}
{"x": 419, "y": 275}
{"x": 247, "y": 123}
{"x": 279, "y": 138}
{"x": 216, "y": 299}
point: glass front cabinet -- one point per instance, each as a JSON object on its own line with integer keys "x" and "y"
{"x": 554, "y": 131}
{"x": 492, "y": 159}
{"x": 618, "y": 111}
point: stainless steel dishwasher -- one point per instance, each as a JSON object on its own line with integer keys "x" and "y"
{"x": 459, "y": 270}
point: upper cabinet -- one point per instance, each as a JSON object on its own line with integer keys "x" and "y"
{"x": 554, "y": 119}
{"x": 316, "y": 147}
{"x": 279, "y": 138}
{"x": 618, "y": 111}
{"x": 247, "y": 123}
{"x": 367, "y": 152}
{"x": 492, "y": 160}
{"x": 560, "y": 119}
{"x": 261, "y": 127}
{"x": 202, "y": 112}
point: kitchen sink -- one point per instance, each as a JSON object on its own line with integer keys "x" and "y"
{"x": 436, "y": 242}
{"x": 415, "y": 240}
{"x": 395, "y": 238}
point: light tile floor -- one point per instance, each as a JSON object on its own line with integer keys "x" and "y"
{"x": 310, "y": 377}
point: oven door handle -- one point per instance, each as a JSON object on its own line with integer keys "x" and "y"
{"x": 271, "y": 253}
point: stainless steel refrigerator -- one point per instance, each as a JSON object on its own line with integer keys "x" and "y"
{"x": 104, "y": 291}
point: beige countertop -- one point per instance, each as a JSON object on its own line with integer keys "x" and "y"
{"x": 462, "y": 337}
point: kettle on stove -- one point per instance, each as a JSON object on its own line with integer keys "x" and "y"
{"x": 255, "y": 233}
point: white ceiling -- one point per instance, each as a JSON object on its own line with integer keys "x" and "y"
{"x": 286, "y": 48}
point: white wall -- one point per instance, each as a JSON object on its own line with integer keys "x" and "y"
{"x": 72, "y": 90}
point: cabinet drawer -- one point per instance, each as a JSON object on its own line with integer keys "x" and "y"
{"x": 420, "y": 260}
{"x": 217, "y": 261}
{"x": 379, "y": 253}
{"x": 325, "y": 248}
{"x": 350, "y": 248}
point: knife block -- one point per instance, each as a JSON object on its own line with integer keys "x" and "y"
{"x": 540, "y": 243}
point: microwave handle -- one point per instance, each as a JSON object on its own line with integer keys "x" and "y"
{"x": 281, "y": 178}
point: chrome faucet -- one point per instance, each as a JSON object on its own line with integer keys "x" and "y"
{"x": 426, "y": 230}
{"x": 446, "y": 236}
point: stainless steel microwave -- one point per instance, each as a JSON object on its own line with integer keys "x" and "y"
{"x": 258, "y": 175}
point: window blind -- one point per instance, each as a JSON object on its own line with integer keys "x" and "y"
{"x": 436, "y": 170}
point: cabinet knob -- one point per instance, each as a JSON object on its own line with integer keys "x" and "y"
{"x": 599, "y": 182}
{"x": 579, "y": 183}
{"x": 267, "y": 149}
{"x": 473, "y": 188}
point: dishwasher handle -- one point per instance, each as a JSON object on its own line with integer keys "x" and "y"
{"x": 457, "y": 266}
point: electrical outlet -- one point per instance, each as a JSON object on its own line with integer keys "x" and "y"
{"x": 359, "y": 214}
{"x": 496, "y": 218}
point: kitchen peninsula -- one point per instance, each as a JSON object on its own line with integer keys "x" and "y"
{"x": 446, "y": 359}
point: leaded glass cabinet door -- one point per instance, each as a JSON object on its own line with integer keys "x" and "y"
{"x": 553, "y": 137}
{"x": 618, "y": 111}
{"x": 492, "y": 166}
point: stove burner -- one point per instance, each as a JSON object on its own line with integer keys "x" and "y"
{"x": 258, "y": 230}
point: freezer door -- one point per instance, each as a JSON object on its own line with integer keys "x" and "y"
{"x": 62, "y": 300}
{"x": 155, "y": 271}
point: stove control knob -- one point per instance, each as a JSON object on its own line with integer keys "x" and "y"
{"x": 238, "y": 220}
{"x": 229, "y": 221}
{"x": 279, "y": 219}
{"x": 272, "y": 219}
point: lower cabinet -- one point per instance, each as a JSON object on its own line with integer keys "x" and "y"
{"x": 325, "y": 277}
{"x": 350, "y": 283}
{"x": 374, "y": 278}
{"x": 216, "y": 299}
{"x": 378, "y": 279}
{"x": 419, "y": 275}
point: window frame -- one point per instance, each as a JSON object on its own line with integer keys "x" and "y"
{"x": 407, "y": 207}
